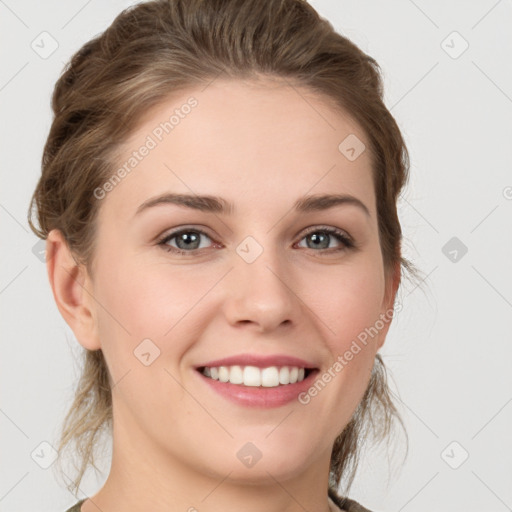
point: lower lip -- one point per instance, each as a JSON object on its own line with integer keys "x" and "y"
{"x": 252, "y": 396}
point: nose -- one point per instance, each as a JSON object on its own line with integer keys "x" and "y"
{"x": 260, "y": 294}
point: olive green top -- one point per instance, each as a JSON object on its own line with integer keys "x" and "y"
{"x": 76, "y": 506}
{"x": 344, "y": 504}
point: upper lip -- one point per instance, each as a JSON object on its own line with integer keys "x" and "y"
{"x": 259, "y": 361}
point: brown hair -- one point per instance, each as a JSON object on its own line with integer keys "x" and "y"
{"x": 156, "y": 48}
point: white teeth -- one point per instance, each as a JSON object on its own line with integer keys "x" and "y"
{"x": 223, "y": 374}
{"x": 253, "y": 376}
{"x": 236, "y": 375}
{"x": 284, "y": 375}
{"x": 270, "y": 377}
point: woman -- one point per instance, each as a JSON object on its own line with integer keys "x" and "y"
{"x": 218, "y": 197}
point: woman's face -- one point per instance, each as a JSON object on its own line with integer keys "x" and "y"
{"x": 258, "y": 283}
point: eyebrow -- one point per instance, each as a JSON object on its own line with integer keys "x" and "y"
{"x": 214, "y": 204}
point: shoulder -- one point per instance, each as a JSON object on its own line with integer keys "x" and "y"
{"x": 346, "y": 504}
{"x": 76, "y": 506}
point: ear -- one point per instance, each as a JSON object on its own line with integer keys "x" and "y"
{"x": 72, "y": 290}
{"x": 388, "y": 308}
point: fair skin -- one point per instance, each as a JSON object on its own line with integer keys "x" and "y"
{"x": 260, "y": 146}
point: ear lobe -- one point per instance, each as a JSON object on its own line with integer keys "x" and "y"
{"x": 69, "y": 282}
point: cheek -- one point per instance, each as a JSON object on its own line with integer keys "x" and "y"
{"x": 132, "y": 290}
{"x": 350, "y": 304}
{"x": 140, "y": 301}
{"x": 347, "y": 316}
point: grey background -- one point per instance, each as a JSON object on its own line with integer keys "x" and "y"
{"x": 448, "y": 351}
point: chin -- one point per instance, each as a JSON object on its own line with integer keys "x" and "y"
{"x": 258, "y": 462}
{"x": 267, "y": 472}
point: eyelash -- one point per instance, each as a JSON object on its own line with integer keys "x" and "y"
{"x": 347, "y": 242}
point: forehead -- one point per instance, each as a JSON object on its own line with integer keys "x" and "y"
{"x": 261, "y": 142}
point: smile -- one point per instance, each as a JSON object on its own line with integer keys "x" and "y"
{"x": 252, "y": 376}
{"x": 258, "y": 380}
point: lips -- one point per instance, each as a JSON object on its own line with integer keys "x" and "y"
{"x": 263, "y": 381}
